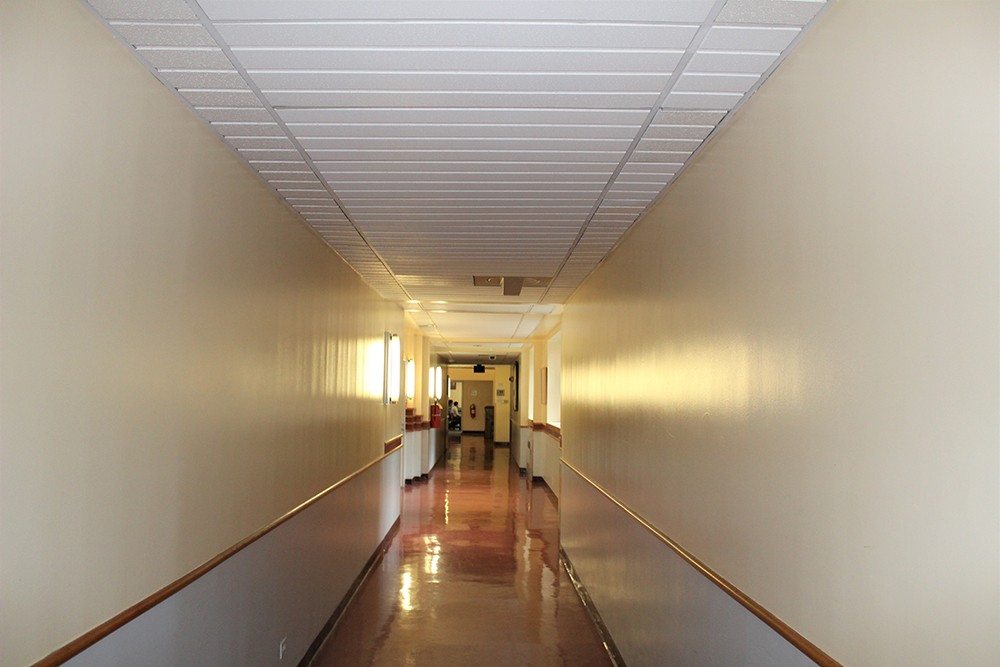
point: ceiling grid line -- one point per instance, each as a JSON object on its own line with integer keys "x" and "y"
{"x": 210, "y": 27}
{"x": 689, "y": 53}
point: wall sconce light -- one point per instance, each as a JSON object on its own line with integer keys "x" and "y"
{"x": 411, "y": 379}
{"x": 435, "y": 383}
{"x": 392, "y": 370}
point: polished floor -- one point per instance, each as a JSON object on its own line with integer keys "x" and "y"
{"x": 471, "y": 578}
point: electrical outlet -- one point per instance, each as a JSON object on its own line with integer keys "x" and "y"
{"x": 281, "y": 648}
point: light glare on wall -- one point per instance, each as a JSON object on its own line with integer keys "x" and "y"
{"x": 430, "y": 384}
{"x": 411, "y": 379}
{"x": 392, "y": 370}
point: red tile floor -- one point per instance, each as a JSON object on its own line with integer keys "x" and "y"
{"x": 471, "y": 578}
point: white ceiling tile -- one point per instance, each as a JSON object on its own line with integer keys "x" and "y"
{"x": 468, "y": 167}
{"x": 740, "y": 38}
{"x": 203, "y": 78}
{"x": 481, "y": 144}
{"x": 718, "y": 83}
{"x": 323, "y": 156}
{"x": 553, "y": 82}
{"x": 778, "y": 12}
{"x": 622, "y": 203}
{"x": 252, "y": 129}
{"x": 672, "y": 157}
{"x": 732, "y": 62}
{"x": 151, "y": 10}
{"x": 702, "y": 100}
{"x": 655, "y": 168}
{"x": 677, "y": 132}
{"x": 185, "y": 58}
{"x": 599, "y": 10}
{"x": 664, "y": 145}
{"x": 235, "y": 114}
{"x": 677, "y": 117}
{"x": 477, "y": 35}
{"x": 427, "y": 131}
{"x": 164, "y": 34}
{"x": 661, "y": 178}
{"x": 659, "y": 60}
{"x": 269, "y": 154}
{"x": 289, "y": 166}
{"x": 495, "y": 114}
{"x": 433, "y": 99}
{"x": 217, "y": 97}
{"x": 260, "y": 142}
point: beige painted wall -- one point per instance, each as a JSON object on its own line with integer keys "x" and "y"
{"x": 791, "y": 365}
{"x": 182, "y": 360}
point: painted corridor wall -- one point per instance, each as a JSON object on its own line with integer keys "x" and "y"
{"x": 182, "y": 360}
{"x": 790, "y": 366}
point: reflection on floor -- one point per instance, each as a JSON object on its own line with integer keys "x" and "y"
{"x": 471, "y": 578}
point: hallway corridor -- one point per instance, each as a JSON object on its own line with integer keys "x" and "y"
{"x": 472, "y": 577}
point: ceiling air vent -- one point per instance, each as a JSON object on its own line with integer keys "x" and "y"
{"x": 510, "y": 285}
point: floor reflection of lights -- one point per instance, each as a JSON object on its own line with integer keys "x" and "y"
{"x": 472, "y": 577}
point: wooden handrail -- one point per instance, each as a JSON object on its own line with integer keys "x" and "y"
{"x": 96, "y": 634}
{"x": 545, "y": 427}
{"x": 809, "y": 649}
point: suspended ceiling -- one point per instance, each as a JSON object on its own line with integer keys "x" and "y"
{"x": 428, "y": 141}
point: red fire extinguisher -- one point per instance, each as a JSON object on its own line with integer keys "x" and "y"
{"x": 472, "y": 411}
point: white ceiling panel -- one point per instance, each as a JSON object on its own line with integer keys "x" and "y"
{"x": 775, "y": 12}
{"x": 149, "y": 10}
{"x": 660, "y": 60}
{"x": 746, "y": 38}
{"x": 430, "y": 99}
{"x": 219, "y": 97}
{"x": 678, "y": 132}
{"x": 732, "y": 61}
{"x": 164, "y": 34}
{"x": 606, "y": 82}
{"x": 537, "y": 167}
{"x": 235, "y": 115}
{"x": 495, "y": 114}
{"x": 716, "y": 83}
{"x": 426, "y": 131}
{"x": 723, "y": 101}
{"x": 198, "y": 78}
{"x": 593, "y": 10}
{"x": 457, "y": 34}
{"x": 175, "y": 57}
{"x": 427, "y": 141}
{"x": 519, "y": 155}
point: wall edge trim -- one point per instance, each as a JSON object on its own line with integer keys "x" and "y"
{"x": 119, "y": 620}
{"x": 784, "y": 630}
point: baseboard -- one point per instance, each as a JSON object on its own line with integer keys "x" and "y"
{"x": 595, "y": 616}
{"x": 338, "y": 613}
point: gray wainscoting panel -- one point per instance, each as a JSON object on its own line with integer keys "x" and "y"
{"x": 283, "y": 586}
{"x": 658, "y": 609}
